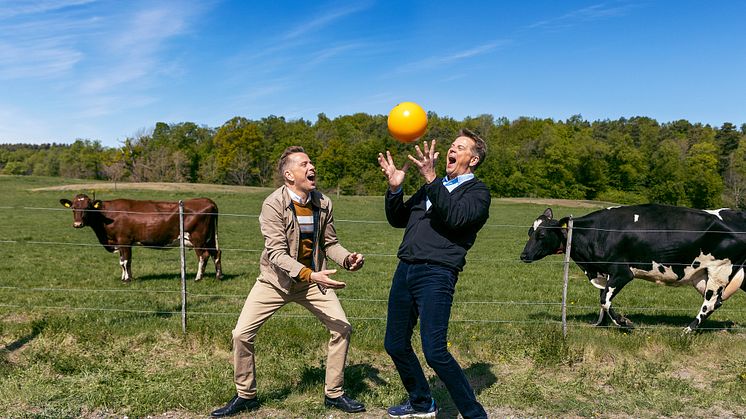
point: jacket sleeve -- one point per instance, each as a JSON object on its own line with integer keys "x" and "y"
{"x": 459, "y": 210}
{"x": 272, "y": 225}
{"x": 397, "y": 211}
{"x": 331, "y": 246}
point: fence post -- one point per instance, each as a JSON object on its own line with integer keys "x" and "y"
{"x": 182, "y": 251}
{"x": 568, "y": 247}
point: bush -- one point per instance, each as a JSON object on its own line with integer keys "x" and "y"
{"x": 16, "y": 168}
{"x": 621, "y": 197}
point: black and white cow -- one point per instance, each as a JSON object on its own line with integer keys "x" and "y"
{"x": 663, "y": 244}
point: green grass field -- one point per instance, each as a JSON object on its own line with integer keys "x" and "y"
{"x": 77, "y": 342}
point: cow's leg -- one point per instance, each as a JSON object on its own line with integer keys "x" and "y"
{"x": 601, "y": 315}
{"x": 125, "y": 261}
{"x": 216, "y": 253}
{"x": 202, "y": 255}
{"x": 617, "y": 281}
{"x": 717, "y": 279}
{"x": 599, "y": 280}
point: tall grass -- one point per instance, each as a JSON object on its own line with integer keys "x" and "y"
{"x": 75, "y": 341}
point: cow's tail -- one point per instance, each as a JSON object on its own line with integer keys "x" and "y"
{"x": 217, "y": 253}
{"x": 215, "y": 229}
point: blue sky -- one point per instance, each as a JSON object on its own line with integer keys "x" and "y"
{"x": 108, "y": 70}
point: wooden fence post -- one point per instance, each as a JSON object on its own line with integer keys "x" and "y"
{"x": 182, "y": 251}
{"x": 568, "y": 247}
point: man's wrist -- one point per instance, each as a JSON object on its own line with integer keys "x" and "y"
{"x": 305, "y": 274}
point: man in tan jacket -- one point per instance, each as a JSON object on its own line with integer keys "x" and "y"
{"x": 298, "y": 226}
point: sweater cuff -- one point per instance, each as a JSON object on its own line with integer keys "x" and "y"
{"x": 346, "y": 262}
{"x": 305, "y": 274}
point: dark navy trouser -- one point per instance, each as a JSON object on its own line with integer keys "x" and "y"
{"x": 426, "y": 290}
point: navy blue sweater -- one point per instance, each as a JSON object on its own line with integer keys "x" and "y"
{"x": 447, "y": 230}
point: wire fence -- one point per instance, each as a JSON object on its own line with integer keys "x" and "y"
{"x": 25, "y": 241}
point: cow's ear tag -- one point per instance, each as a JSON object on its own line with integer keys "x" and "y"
{"x": 97, "y": 204}
{"x": 564, "y": 225}
{"x": 66, "y": 204}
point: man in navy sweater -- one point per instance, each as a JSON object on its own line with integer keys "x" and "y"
{"x": 441, "y": 222}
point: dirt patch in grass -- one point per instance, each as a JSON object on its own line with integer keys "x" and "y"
{"x": 152, "y": 186}
{"x": 576, "y": 203}
{"x": 19, "y": 317}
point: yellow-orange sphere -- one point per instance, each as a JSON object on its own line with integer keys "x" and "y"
{"x": 407, "y": 122}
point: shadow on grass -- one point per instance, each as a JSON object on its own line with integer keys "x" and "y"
{"x": 5, "y": 364}
{"x": 359, "y": 380}
{"x": 36, "y": 327}
{"x": 480, "y": 377}
{"x": 652, "y": 321}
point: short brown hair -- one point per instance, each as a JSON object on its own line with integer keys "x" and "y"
{"x": 283, "y": 162}
{"x": 480, "y": 147}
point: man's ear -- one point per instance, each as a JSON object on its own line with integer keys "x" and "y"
{"x": 97, "y": 204}
{"x": 66, "y": 203}
{"x": 474, "y": 161}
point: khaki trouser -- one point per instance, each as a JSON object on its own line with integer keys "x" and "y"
{"x": 263, "y": 301}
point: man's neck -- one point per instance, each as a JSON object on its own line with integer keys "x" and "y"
{"x": 455, "y": 175}
{"x": 303, "y": 195}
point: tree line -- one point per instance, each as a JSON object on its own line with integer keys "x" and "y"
{"x": 626, "y": 161}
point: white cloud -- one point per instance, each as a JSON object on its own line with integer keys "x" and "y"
{"x": 12, "y": 9}
{"x": 450, "y": 59}
{"x": 133, "y": 52}
{"x": 43, "y": 46}
{"x": 586, "y": 14}
{"x": 323, "y": 20}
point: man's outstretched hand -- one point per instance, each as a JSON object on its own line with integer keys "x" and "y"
{"x": 322, "y": 278}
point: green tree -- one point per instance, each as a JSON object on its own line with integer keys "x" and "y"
{"x": 237, "y": 151}
{"x": 704, "y": 186}
{"x": 735, "y": 176}
{"x": 83, "y": 159}
{"x": 666, "y": 180}
{"x": 727, "y": 138}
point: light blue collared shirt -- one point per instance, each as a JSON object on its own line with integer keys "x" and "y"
{"x": 451, "y": 184}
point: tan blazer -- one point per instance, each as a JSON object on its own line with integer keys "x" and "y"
{"x": 279, "y": 264}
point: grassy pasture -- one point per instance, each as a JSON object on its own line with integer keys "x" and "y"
{"x": 75, "y": 341}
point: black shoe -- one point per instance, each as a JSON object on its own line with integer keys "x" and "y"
{"x": 344, "y": 404}
{"x": 236, "y": 405}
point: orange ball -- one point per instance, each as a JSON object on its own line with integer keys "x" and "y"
{"x": 407, "y": 122}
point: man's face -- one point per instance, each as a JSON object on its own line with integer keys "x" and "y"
{"x": 460, "y": 157}
{"x": 301, "y": 172}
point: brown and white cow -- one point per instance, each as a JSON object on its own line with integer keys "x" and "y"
{"x": 120, "y": 224}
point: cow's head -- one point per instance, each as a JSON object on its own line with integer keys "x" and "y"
{"x": 545, "y": 237}
{"x": 84, "y": 209}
